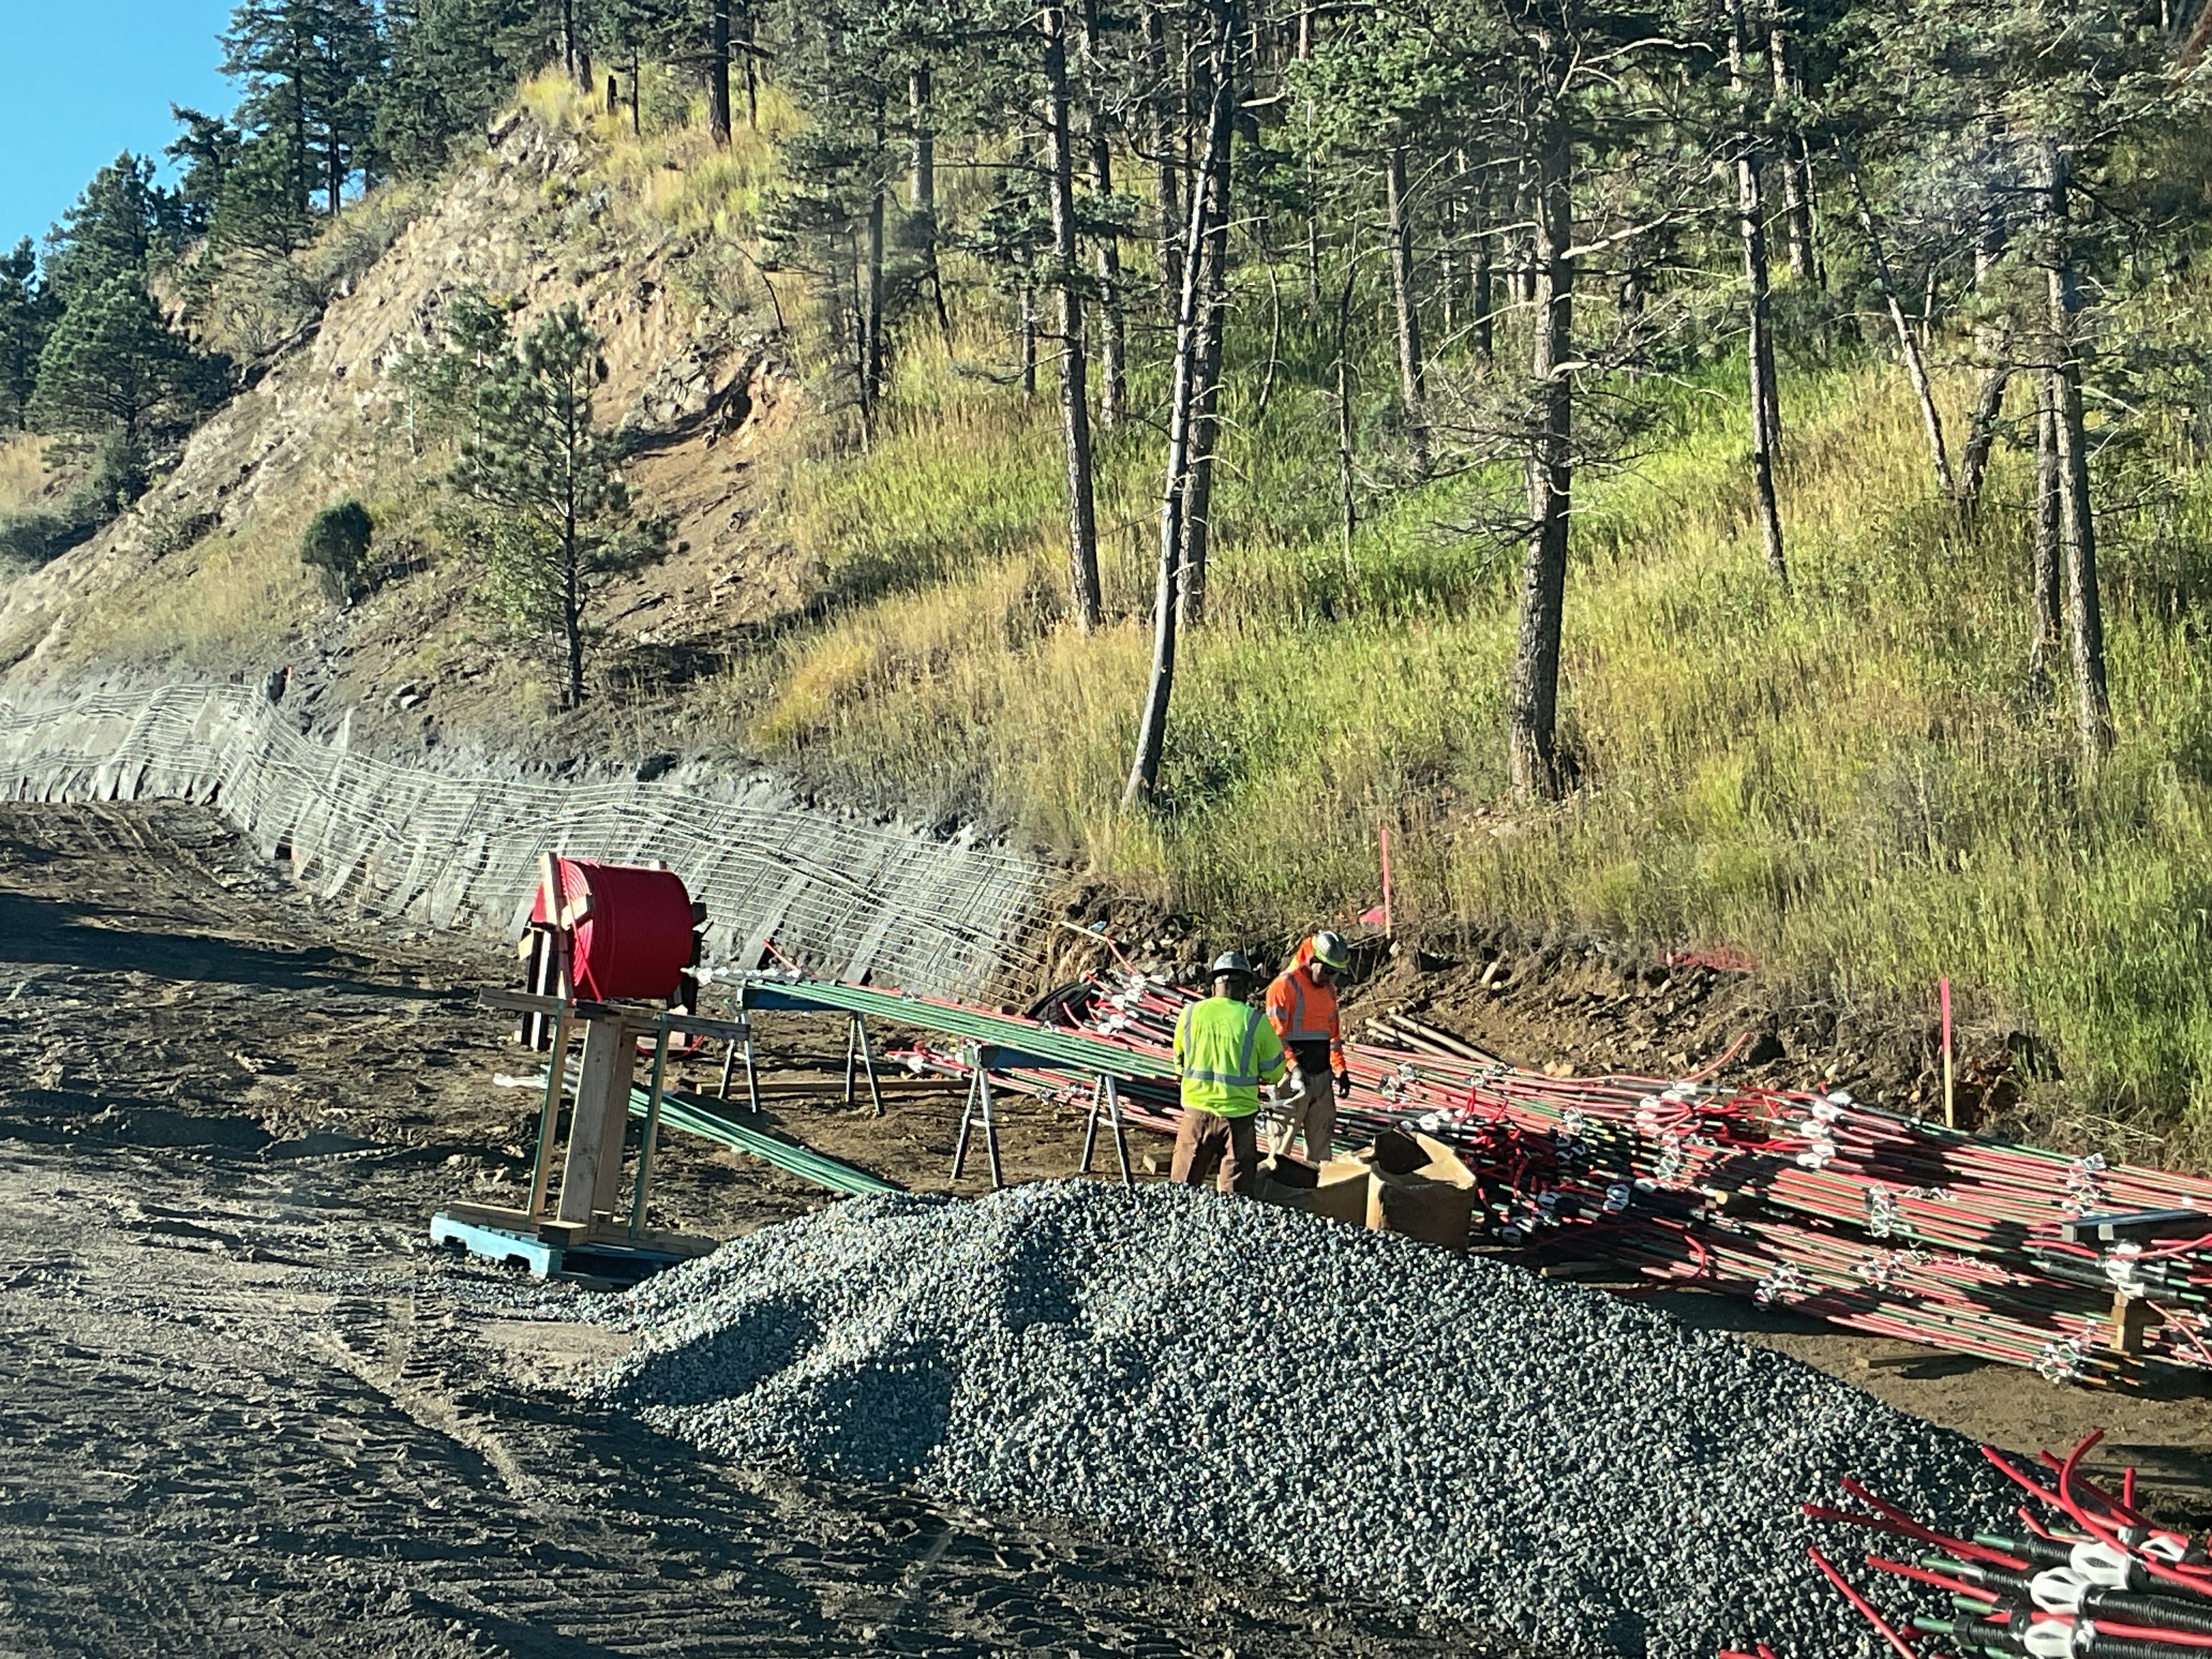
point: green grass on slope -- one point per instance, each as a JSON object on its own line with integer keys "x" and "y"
{"x": 1853, "y": 781}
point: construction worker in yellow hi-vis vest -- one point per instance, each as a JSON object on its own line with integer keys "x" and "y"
{"x": 1225, "y": 1049}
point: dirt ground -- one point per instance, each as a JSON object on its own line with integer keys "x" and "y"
{"x": 246, "y": 1410}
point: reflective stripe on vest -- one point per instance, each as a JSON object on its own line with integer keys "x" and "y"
{"x": 1300, "y": 1031}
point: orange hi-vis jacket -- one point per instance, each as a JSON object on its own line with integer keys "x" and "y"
{"x": 1304, "y": 1013}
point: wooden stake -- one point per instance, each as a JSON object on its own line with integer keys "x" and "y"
{"x": 1950, "y": 1106}
{"x": 1388, "y": 931}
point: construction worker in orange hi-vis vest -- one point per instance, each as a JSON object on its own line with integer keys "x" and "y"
{"x": 1301, "y": 1007}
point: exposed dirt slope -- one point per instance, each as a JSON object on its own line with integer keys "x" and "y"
{"x": 202, "y": 575}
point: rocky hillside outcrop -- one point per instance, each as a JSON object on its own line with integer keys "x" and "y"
{"x": 202, "y": 575}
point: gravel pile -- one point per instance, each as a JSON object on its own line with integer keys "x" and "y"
{"x": 1375, "y": 1417}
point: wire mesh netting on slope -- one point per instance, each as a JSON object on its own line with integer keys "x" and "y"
{"x": 844, "y": 897}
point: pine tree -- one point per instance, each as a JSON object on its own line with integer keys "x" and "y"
{"x": 206, "y": 152}
{"x": 123, "y": 224}
{"x": 26, "y": 314}
{"x": 555, "y": 510}
{"x": 449, "y": 64}
{"x": 312, "y": 69}
{"x": 111, "y": 366}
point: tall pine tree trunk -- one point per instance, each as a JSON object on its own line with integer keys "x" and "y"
{"x": 717, "y": 72}
{"x": 1152, "y": 726}
{"x": 873, "y": 357}
{"x": 2077, "y": 518}
{"x": 1074, "y": 396}
{"x": 1113, "y": 335}
{"x": 1412, "y": 373}
{"x": 747, "y": 37}
{"x": 1481, "y": 301}
{"x": 1751, "y": 227}
{"x": 2050, "y": 536}
{"x": 1347, "y": 498}
{"x": 1533, "y": 697}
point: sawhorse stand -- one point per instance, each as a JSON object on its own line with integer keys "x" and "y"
{"x": 1106, "y": 1102}
{"x": 859, "y": 1052}
{"x": 978, "y": 1112}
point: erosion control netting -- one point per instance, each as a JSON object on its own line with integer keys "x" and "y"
{"x": 845, "y": 897}
{"x": 1215, "y": 1377}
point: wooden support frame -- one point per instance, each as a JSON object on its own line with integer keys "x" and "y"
{"x": 598, "y": 1126}
{"x": 652, "y": 1129}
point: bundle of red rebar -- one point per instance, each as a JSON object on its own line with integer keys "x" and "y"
{"x": 1805, "y": 1200}
{"x": 2089, "y": 1575}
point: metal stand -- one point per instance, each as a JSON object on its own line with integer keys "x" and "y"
{"x": 1105, "y": 1094}
{"x": 977, "y": 1110}
{"x": 856, "y": 1048}
{"x": 752, "y": 1074}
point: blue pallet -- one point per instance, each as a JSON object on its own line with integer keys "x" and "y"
{"x": 591, "y": 1259}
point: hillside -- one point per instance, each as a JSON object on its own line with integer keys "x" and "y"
{"x": 1851, "y": 785}
{"x": 203, "y": 576}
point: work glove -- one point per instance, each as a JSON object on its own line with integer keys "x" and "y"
{"x": 1344, "y": 1083}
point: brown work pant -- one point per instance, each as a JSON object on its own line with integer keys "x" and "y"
{"x": 1207, "y": 1140}
{"x": 1305, "y": 1104}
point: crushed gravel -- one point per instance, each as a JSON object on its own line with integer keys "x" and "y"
{"x": 1221, "y": 1378}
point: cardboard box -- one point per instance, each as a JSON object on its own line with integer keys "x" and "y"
{"x": 1419, "y": 1188}
{"x": 1338, "y": 1191}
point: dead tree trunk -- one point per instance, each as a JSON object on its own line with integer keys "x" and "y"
{"x": 1152, "y": 726}
{"x": 1169, "y": 119}
{"x": 1796, "y": 167}
{"x": 1029, "y": 341}
{"x": 1211, "y": 191}
{"x": 1412, "y": 373}
{"x": 718, "y": 73}
{"x": 2050, "y": 536}
{"x": 1915, "y": 366}
{"x": 1982, "y": 430}
{"x": 1765, "y": 416}
{"x": 2077, "y": 518}
{"x": 922, "y": 188}
{"x": 1112, "y": 340}
{"x": 1074, "y": 394}
{"x": 1533, "y": 698}
{"x": 872, "y": 355}
{"x": 1995, "y": 346}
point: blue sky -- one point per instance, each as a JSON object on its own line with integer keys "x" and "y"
{"x": 87, "y": 78}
